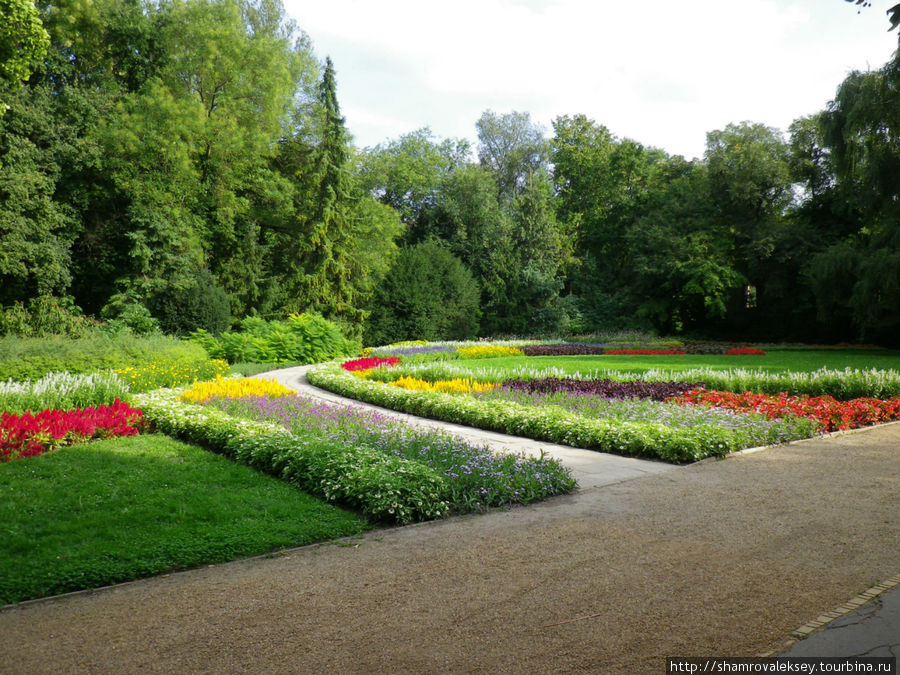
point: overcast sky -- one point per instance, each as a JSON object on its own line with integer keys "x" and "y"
{"x": 662, "y": 72}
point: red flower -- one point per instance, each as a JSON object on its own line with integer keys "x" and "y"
{"x": 29, "y": 435}
{"x": 371, "y": 362}
{"x": 745, "y": 351}
{"x": 831, "y": 414}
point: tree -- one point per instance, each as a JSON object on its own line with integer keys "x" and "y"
{"x": 23, "y": 44}
{"x": 513, "y": 148}
{"x": 428, "y": 295}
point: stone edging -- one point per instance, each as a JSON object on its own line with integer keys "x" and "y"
{"x": 854, "y": 603}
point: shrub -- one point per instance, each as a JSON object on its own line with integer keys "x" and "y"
{"x": 302, "y": 338}
{"x": 201, "y": 304}
{"x": 428, "y": 293}
{"x": 45, "y": 315}
{"x": 24, "y": 359}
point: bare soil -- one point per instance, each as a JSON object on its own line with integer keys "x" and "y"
{"x": 721, "y": 558}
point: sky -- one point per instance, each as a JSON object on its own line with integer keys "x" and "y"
{"x": 660, "y": 72}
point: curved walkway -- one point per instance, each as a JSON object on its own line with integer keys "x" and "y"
{"x": 722, "y": 558}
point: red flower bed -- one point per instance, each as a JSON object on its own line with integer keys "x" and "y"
{"x": 646, "y": 352}
{"x": 29, "y": 435}
{"x": 745, "y": 351}
{"x": 831, "y": 414}
{"x": 370, "y": 362}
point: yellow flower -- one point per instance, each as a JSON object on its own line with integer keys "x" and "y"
{"x": 455, "y": 386}
{"x": 488, "y": 351}
{"x": 203, "y": 391}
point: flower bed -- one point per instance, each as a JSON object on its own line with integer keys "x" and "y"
{"x": 745, "y": 351}
{"x": 551, "y": 423}
{"x": 29, "y": 435}
{"x": 826, "y": 411}
{"x": 369, "y": 363}
{"x": 487, "y": 351}
{"x": 455, "y": 386}
{"x": 475, "y": 478}
{"x": 203, "y": 391}
{"x": 658, "y": 391}
{"x": 157, "y": 374}
{"x": 62, "y": 391}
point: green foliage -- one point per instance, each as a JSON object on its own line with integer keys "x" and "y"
{"x": 383, "y": 487}
{"x": 23, "y": 43}
{"x": 428, "y": 294}
{"x": 201, "y": 304}
{"x": 32, "y": 358}
{"x": 302, "y": 338}
{"x": 121, "y": 509}
{"x": 45, "y": 315}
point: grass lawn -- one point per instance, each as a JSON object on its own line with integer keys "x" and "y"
{"x": 120, "y": 509}
{"x": 775, "y": 360}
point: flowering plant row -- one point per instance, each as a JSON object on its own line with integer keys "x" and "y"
{"x": 156, "y": 374}
{"x": 563, "y": 350}
{"x": 62, "y": 391}
{"x": 657, "y": 391}
{"x": 368, "y": 363}
{"x": 29, "y": 435}
{"x": 475, "y": 478}
{"x": 826, "y": 411}
{"x": 745, "y": 351}
{"x": 552, "y": 423}
{"x": 220, "y": 387}
{"x": 457, "y": 385}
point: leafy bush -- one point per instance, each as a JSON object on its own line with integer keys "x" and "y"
{"x": 428, "y": 293}
{"x": 383, "y": 487}
{"x": 45, "y": 315}
{"x": 62, "y": 391}
{"x": 302, "y": 338}
{"x": 32, "y": 358}
{"x": 202, "y": 304}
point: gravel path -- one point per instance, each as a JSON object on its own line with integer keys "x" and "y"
{"x": 720, "y": 558}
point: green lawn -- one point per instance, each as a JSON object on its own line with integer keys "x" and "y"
{"x": 775, "y": 361}
{"x": 109, "y": 511}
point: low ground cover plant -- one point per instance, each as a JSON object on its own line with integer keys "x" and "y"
{"x": 29, "y": 435}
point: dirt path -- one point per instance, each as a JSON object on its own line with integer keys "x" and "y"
{"x": 718, "y": 558}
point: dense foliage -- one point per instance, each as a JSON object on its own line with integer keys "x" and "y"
{"x": 184, "y": 164}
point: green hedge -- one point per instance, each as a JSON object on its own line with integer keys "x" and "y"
{"x": 24, "y": 359}
{"x": 383, "y": 487}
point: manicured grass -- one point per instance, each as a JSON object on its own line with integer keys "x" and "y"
{"x": 121, "y": 509}
{"x": 775, "y": 361}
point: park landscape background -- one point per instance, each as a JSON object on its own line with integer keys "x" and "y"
{"x": 181, "y": 209}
